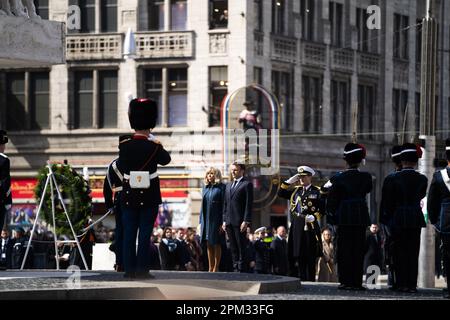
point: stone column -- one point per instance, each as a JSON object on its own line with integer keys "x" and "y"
{"x": 327, "y": 113}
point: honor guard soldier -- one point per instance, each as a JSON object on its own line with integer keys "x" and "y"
{"x": 112, "y": 188}
{"x": 5, "y": 180}
{"x": 389, "y": 244}
{"x": 438, "y": 205}
{"x": 306, "y": 206}
{"x": 347, "y": 207}
{"x": 402, "y": 212}
{"x": 141, "y": 195}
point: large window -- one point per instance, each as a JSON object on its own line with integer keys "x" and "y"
{"x": 399, "y": 103}
{"x": 27, "y": 101}
{"x": 218, "y": 14}
{"x": 312, "y": 103}
{"x": 42, "y": 8}
{"x": 401, "y": 36}
{"x": 278, "y": 16}
{"x": 95, "y": 99}
{"x": 107, "y": 15}
{"x": 177, "y": 97}
{"x": 340, "y": 106}
{"x": 172, "y": 108}
{"x": 282, "y": 89}
{"x": 307, "y": 19}
{"x": 218, "y": 86}
{"x": 336, "y": 23}
{"x": 367, "y": 39}
{"x": 366, "y": 110}
{"x": 153, "y": 88}
{"x": 155, "y": 15}
{"x": 178, "y": 15}
{"x": 258, "y": 12}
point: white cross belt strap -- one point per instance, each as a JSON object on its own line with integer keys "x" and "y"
{"x": 140, "y": 179}
{"x": 446, "y": 178}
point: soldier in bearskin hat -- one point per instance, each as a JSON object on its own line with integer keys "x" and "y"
{"x": 396, "y": 159}
{"x": 347, "y": 206}
{"x": 438, "y": 205}
{"x": 402, "y": 212}
{"x": 141, "y": 195}
{"x": 5, "y": 180}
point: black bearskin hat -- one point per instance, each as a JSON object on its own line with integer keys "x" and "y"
{"x": 3, "y": 137}
{"x": 396, "y": 154}
{"x": 143, "y": 114}
{"x": 354, "y": 153}
{"x": 411, "y": 152}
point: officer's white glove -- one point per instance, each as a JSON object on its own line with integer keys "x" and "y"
{"x": 310, "y": 218}
{"x": 293, "y": 179}
{"x": 153, "y": 138}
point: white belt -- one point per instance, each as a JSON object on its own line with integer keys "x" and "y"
{"x": 117, "y": 189}
{"x": 152, "y": 176}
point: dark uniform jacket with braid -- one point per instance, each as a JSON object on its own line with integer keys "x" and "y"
{"x": 402, "y": 200}
{"x": 438, "y": 202}
{"x": 133, "y": 155}
{"x": 346, "y": 199}
{"x": 5, "y": 181}
{"x": 301, "y": 203}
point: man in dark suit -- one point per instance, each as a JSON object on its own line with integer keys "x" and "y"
{"x": 6, "y": 247}
{"x": 279, "y": 249}
{"x": 402, "y": 212}
{"x": 374, "y": 244}
{"x": 141, "y": 195}
{"x": 237, "y": 213}
{"x": 439, "y": 210}
{"x": 5, "y": 180}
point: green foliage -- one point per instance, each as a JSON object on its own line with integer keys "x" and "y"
{"x": 75, "y": 192}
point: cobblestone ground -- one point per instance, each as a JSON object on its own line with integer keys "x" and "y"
{"x": 320, "y": 291}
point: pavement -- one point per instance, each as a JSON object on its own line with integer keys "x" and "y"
{"x": 173, "y": 285}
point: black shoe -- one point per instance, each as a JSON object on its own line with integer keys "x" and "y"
{"x": 412, "y": 290}
{"x": 144, "y": 276}
{"x": 129, "y": 275}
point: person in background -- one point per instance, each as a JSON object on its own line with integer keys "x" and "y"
{"x": 263, "y": 253}
{"x": 5, "y": 180}
{"x": 374, "y": 249}
{"x": 326, "y": 266}
{"x": 280, "y": 253}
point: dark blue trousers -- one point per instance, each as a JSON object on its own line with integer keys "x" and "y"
{"x": 135, "y": 219}
{"x": 118, "y": 234}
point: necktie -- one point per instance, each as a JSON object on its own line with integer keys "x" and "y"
{"x": 234, "y": 184}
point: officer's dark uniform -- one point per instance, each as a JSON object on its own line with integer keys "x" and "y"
{"x": 347, "y": 208}
{"x": 140, "y": 206}
{"x": 5, "y": 181}
{"x": 438, "y": 204}
{"x": 112, "y": 187}
{"x": 6, "y": 246}
{"x": 304, "y": 244}
{"x": 389, "y": 243}
{"x": 404, "y": 217}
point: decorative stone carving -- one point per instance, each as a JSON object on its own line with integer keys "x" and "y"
{"x": 18, "y": 8}
{"x": 218, "y": 43}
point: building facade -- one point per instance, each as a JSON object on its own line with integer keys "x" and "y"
{"x": 316, "y": 56}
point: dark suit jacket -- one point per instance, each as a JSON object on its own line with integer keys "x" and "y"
{"x": 280, "y": 257}
{"x": 238, "y": 203}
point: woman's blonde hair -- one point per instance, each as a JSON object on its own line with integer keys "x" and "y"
{"x": 217, "y": 175}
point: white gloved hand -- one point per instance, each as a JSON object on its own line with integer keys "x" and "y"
{"x": 293, "y": 179}
{"x": 310, "y": 218}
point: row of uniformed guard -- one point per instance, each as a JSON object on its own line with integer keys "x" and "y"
{"x": 343, "y": 201}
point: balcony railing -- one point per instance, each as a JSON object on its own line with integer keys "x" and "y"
{"x": 284, "y": 49}
{"x": 165, "y": 44}
{"x": 313, "y": 54}
{"x": 368, "y": 64}
{"x": 93, "y": 46}
{"x": 342, "y": 59}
